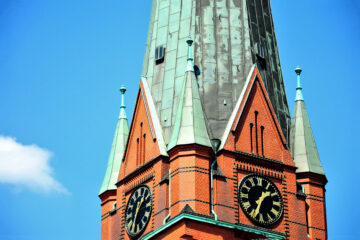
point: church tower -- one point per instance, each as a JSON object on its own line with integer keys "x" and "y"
{"x": 210, "y": 152}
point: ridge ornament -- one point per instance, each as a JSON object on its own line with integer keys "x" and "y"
{"x": 260, "y": 199}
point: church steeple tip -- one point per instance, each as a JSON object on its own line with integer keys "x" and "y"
{"x": 299, "y": 95}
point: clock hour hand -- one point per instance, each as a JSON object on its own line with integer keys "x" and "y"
{"x": 259, "y": 202}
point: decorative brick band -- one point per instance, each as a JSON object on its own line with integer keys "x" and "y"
{"x": 189, "y": 200}
{"x": 222, "y": 205}
{"x": 285, "y": 204}
{"x": 251, "y": 168}
{"x": 164, "y": 209}
{"x": 315, "y": 199}
{"x": 302, "y": 224}
{"x": 315, "y": 196}
{"x": 153, "y": 201}
{"x": 236, "y": 200}
{"x": 110, "y": 213}
{"x": 139, "y": 182}
{"x": 188, "y": 171}
{"x": 122, "y": 224}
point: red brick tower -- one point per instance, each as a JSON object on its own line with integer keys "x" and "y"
{"x": 170, "y": 176}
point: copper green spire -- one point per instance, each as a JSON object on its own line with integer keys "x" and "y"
{"x": 302, "y": 143}
{"x": 229, "y": 37}
{"x": 190, "y": 124}
{"x": 299, "y": 95}
{"x": 117, "y": 149}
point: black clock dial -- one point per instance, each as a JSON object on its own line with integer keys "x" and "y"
{"x": 260, "y": 199}
{"x": 138, "y": 211}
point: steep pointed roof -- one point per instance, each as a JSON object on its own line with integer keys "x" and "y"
{"x": 303, "y": 147}
{"x": 190, "y": 124}
{"x": 117, "y": 149}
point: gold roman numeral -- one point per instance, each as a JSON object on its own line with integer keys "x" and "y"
{"x": 246, "y": 205}
{"x": 129, "y": 224}
{"x": 259, "y": 181}
{"x": 274, "y": 194}
{"x": 261, "y": 218}
{"x": 277, "y": 204}
{"x": 244, "y": 195}
{"x": 251, "y": 180}
{"x": 274, "y": 211}
{"x": 267, "y": 186}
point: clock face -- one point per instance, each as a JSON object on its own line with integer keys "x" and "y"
{"x": 138, "y": 211}
{"x": 260, "y": 200}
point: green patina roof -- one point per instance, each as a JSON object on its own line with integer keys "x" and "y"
{"x": 117, "y": 149}
{"x": 190, "y": 124}
{"x": 303, "y": 147}
{"x": 229, "y": 37}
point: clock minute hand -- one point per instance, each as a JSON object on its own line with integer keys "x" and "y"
{"x": 138, "y": 208}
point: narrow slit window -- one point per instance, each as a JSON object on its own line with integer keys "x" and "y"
{"x": 256, "y": 132}
{"x": 159, "y": 54}
{"x": 251, "y": 137}
{"x": 262, "y": 140}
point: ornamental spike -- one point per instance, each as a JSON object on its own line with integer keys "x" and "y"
{"x": 122, "y": 106}
{"x": 190, "y": 59}
{"x": 299, "y": 95}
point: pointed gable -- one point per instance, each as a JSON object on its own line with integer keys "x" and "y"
{"x": 253, "y": 127}
{"x": 117, "y": 149}
{"x": 146, "y": 140}
{"x": 190, "y": 124}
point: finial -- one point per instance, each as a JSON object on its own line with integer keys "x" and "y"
{"x": 190, "y": 65}
{"x": 122, "y": 106}
{"x": 122, "y": 89}
{"x": 299, "y": 95}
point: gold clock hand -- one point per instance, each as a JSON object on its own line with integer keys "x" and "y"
{"x": 259, "y": 202}
{"x": 138, "y": 208}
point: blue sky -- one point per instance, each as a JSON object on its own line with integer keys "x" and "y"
{"x": 62, "y": 63}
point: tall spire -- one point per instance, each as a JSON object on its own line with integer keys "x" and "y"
{"x": 117, "y": 149}
{"x": 299, "y": 95}
{"x": 229, "y": 40}
{"x": 190, "y": 124}
{"x": 302, "y": 143}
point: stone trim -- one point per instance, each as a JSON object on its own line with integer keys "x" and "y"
{"x": 270, "y": 234}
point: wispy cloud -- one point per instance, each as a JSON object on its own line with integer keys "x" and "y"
{"x": 27, "y": 165}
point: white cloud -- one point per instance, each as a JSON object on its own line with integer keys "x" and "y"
{"x": 27, "y": 165}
